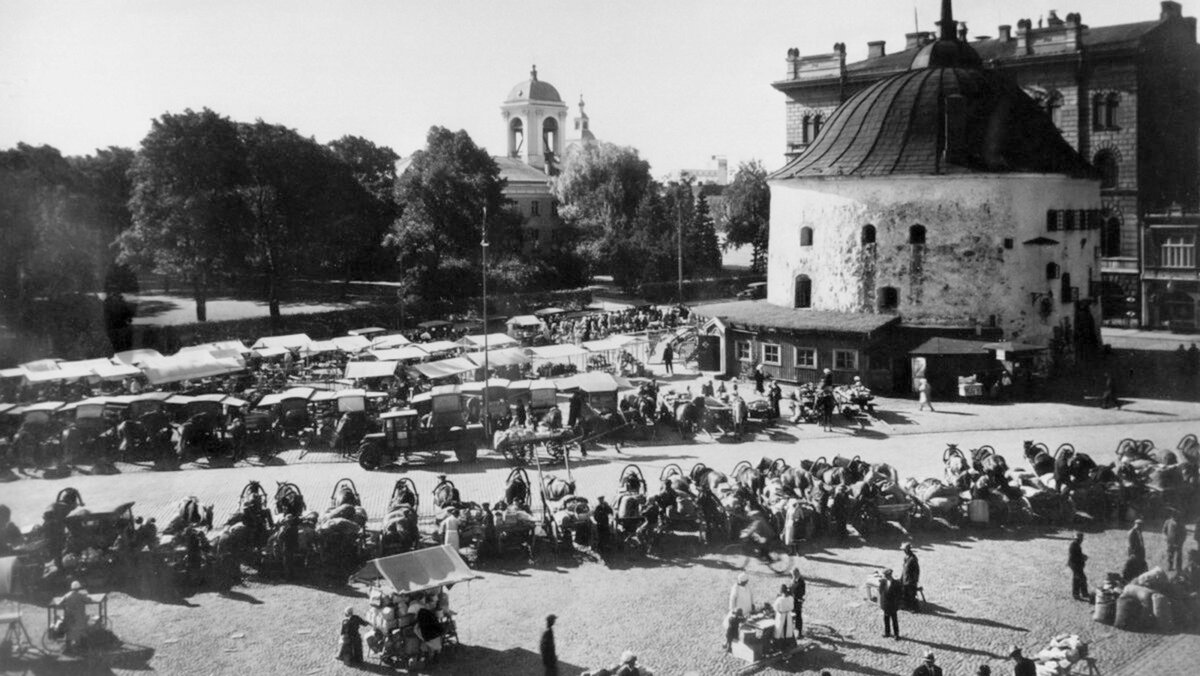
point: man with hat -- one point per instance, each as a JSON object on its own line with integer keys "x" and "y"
{"x": 928, "y": 667}
{"x": 1137, "y": 546}
{"x": 602, "y": 514}
{"x": 826, "y": 378}
{"x": 1022, "y": 666}
{"x": 1175, "y": 533}
{"x": 1076, "y": 560}
{"x": 549, "y": 652}
{"x": 889, "y": 602}
{"x": 740, "y": 597}
{"x": 798, "y": 588}
{"x": 910, "y": 578}
{"x": 351, "y": 651}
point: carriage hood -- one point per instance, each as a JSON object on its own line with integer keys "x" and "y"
{"x": 420, "y": 570}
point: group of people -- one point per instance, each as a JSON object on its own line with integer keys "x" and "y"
{"x": 392, "y": 618}
{"x": 1174, "y": 533}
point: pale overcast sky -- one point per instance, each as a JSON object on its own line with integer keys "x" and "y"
{"x": 679, "y": 80}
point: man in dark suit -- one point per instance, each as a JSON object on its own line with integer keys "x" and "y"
{"x": 798, "y": 588}
{"x": 928, "y": 667}
{"x": 549, "y": 653}
{"x": 1175, "y": 534}
{"x": 910, "y": 578}
{"x": 890, "y": 593}
{"x": 1076, "y": 560}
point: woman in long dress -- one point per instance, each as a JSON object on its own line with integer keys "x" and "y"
{"x": 450, "y": 529}
{"x": 785, "y": 631}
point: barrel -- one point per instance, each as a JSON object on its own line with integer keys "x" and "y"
{"x": 1105, "y": 610}
{"x": 1128, "y": 614}
{"x": 1164, "y": 612}
{"x": 978, "y": 511}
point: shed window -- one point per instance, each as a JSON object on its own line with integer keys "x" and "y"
{"x": 742, "y": 350}
{"x": 816, "y": 124}
{"x": 845, "y": 360}
{"x": 916, "y": 234}
{"x": 1110, "y": 238}
{"x": 868, "y": 234}
{"x": 889, "y": 298}
{"x": 535, "y": 208}
{"x": 806, "y": 236}
{"x": 806, "y": 358}
{"x": 770, "y": 354}
{"x": 803, "y": 291}
{"x": 806, "y": 129}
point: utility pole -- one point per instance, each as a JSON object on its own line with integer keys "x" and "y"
{"x": 483, "y": 247}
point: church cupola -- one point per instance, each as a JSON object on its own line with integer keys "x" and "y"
{"x": 534, "y": 116}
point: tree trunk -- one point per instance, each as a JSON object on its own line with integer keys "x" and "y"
{"x": 200, "y": 295}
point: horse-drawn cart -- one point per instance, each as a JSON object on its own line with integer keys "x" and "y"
{"x": 520, "y": 445}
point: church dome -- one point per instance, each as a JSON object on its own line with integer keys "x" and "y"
{"x": 945, "y": 115}
{"x": 533, "y": 89}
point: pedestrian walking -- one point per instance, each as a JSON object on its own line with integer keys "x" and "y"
{"x": 350, "y": 646}
{"x": 1137, "y": 546}
{"x": 547, "y": 648}
{"x": 923, "y": 390}
{"x": 929, "y": 667}
{"x": 1175, "y": 533}
{"x": 910, "y": 578}
{"x": 668, "y": 358}
{"x": 798, "y": 590}
{"x": 740, "y": 597}
{"x": 785, "y": 630}
{"x": 1076, "y": 560}
{"x": 889, "y": 602}
{"x": 1022, "y": 666}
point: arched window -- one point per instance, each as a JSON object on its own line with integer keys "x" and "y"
{"x": 868, "y": 234}
{"x": 803, "y": 291}
{"x": 1106, "y": 163}
{"x": 1110, "y": 237}
{"x": 889, "y": 298}
{"x": 916, "y": 234}
{"x": 1054, "y": 102}
{"x": 816, "y": 123}
{"x": 550, "y": 136}
{"x": 806, "y": 234}
{"x": 806, "y": 128}
{"x": 516, "y": 137}
{"x": 1065, "y": 288}
{"x": 1051, "y": 270}
{"x": 1110, "y": 110}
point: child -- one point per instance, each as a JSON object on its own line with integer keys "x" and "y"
{"x": 733, "y": 622}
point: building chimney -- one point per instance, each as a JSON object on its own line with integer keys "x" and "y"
{"x": 962, "y": 32}
{"x": 1171, "y": 10}
{"x": 955, "y": 151}
{"x": 1054, "y": 21}
{"x": 1024, "y": 26}
{"x": 793, "y": 63}
{"x": 1005, "y": 33}
{"x": 947, "y": 27}
{"x": 875, "y": 49}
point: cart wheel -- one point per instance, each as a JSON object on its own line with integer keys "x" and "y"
{"x": 370, "y": 456}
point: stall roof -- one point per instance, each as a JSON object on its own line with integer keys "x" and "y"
{"x": 512, "y": 356}
{"x": 477, "y": 386}
{"x": 366, "y": 331}
{"x": 112, "y": 371}
{"x": 948, "y": 346}
{"x": 291, "y": 341}
{"x": 370, "y": 369}
{"x": 134, "y": 357}
{"x": 71, "y": 372}
{"x": 268, "y": 352}
{"x": 14, "y": 372}
{"x": 593, "y": 381}
{"x": 444, "y": 368}
{"x": 351, "y": 343}
{"x": 548, "y": 312}
{"x": 218, "y": 346}
{"x": 188, "y": 366}
{"x": 50, "y": 406}
{"x": 41, "y": 365}
{"x": 389, "y": 341}
{"x": 440, "y": 346}
{"x": 760, "y": 315}
{"x": 1011, "y": 347}
{"x": 223, "y": 399}
{"x": 494, "y": 340}
{"x": 524, "y": 320}
{"x": 319, "y": 347}
{"x": 406, "y": 353}
{"x": 417, "y": 571}
{"x": 551, "y": 352}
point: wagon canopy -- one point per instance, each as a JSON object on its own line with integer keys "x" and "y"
{"x": 444, "y": 368}
{"x": 370, "y": 369}
{"x": 188, "y": 366}
{"x": 494, "y": 340}
{"x": 511, "y": 356}
{"x": 524, "y": 321}
{"x": 292, "y": 341}
{"x": 417, "y": 571}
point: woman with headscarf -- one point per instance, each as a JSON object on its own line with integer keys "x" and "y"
{"x": 785, "y": 631}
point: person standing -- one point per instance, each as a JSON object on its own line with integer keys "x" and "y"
{"x": 923, "y": 391}
{"x": 910, "y": 578}
{"x": 1022, "y": 666}
{"x": 740, "y": 597}
{"x": 602, "y": 515}
{"x": 1137, "y": 546}
{"x": 450, "y": 529}
{"x": 759, "y": 376}
{"x": 1109, "y": 396}
{"x": 549, "y": 652}
{"x": 798, "y": 590}
{"x": 733, "y": 622}
{"x": 784, "y": 606}
{"x": 668, "y": 359}
{"x": 928, "y": 667}
{"x": 350, "y": 649}
{"x": 1175, "y": 533}
{"x": 826, "y": 379}
{"x": 774, "y": 396}
{"x": 575, "y": 409}
{"x": 1076, "y": 560}
{"x": 889, "y": 603}
{"x": 75, "y": 619}
{"x": 739, "y": 414}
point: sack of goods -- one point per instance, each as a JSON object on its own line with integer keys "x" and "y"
{"x": 1060, "y": 655}
{"x": 1152, "y": 600}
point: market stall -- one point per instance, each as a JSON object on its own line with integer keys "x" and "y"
{"x": 942, "y": 361}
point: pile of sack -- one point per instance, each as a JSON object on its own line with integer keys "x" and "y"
{"x": 941, "y": 498}
{"x": 1153, "y": 600}
{"x": 1060, "y": 655}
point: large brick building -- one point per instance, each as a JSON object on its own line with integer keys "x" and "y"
{"x": 1125, "y": 96}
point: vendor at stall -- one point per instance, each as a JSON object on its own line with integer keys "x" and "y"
{"x": 75, "y": 619}
{"x": 350, "y": 650}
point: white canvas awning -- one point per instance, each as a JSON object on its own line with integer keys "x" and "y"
{"x": 116, "y": 371}
{"x": 513, "y": 356}
{"x": 440, "y": 346}
{"x": 318, "y": 347}
{"x": 558, "y": 354}
{"x": 292, "y": 341}
{"x": 73, "y": 371}
{"x": 389, "y": 341}
{"x": 370, "y": 369}
{"x": 494, "y": 341}
{"x": 524, "y": 321}
{"x": 188, "y": 366}
{"x": 219, "y": 345}
{"x": 351, "y": 344}
{"x": 269, "y": 352}
{"x": 420, "y": 570}
{"x": 444, "y": 368}
{"x": 135, "y": 357}
{"x": 406, "y": 353}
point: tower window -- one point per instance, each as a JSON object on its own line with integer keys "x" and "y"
{"x": 1110, "y": 237}
{"x": 916, "y": 234}
{"x": 1110, "y": 110}
{"x": 1106, "y": 163}
{"x": 868, "y": 234}
{"x": 803, "y": 291}
{"x": 816, "y": 125}
{"x": 806, "y": 236}
{"x": 1051, "y": 270}
{"x": 535, "y": 208}
{"x": 889, "y": 298}
{"x": 806, "y": 129}
{"x": 516, "y": 137}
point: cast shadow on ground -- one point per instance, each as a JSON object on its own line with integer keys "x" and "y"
{"x": 955, "y": 649}
{"x": 127, "y": 658}
{"x": 826, "y": 658}
{"x": 893, "y": 417}
{"x": 511, "y": 661}
{"x": 935, "y": 610}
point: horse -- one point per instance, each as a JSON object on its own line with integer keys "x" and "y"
{"x": 288, "y": 499}
{"x": 400, "y": 532}
{"x": 190, "y": 514}
{"x": 1039, "y": 458}
{"x": 517, "y": 488}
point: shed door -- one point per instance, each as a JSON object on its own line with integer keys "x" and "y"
{"x": 708, "y": 353}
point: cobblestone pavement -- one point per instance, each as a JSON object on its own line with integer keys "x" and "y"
{"x": 987, "y": 589}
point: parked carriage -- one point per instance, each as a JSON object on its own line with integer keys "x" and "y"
{"x": 687, "y": 516}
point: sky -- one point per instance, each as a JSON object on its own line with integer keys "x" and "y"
{"x": 681, "y": 81}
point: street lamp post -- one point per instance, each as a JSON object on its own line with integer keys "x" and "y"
{"x": 483, "y": 247}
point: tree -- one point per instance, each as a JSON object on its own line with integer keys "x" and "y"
{"x": 106, "y": 178}
{"x": 187, "y": 212}
{"x": 443, "y": 194}
{"x": 702, "y": 249}
{"x": 746, "y": 218}
{"x": 367, "y": 212}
